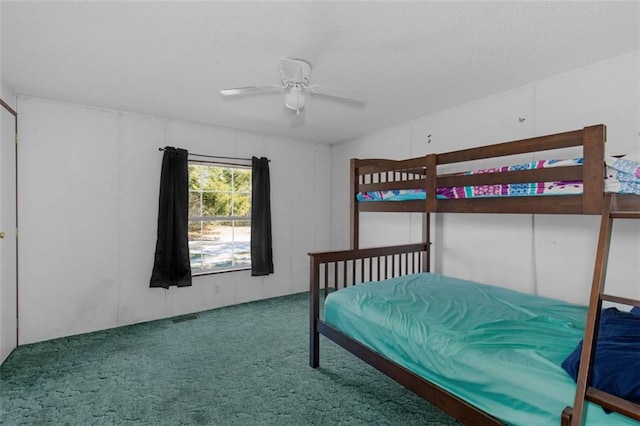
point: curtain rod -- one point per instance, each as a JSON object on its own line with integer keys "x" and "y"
{"x": 8, "y": 108}
{"x": 215, "y": 156}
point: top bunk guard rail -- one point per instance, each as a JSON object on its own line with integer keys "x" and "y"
{"x": 422, "y": 173}
{"x": 412, "y": 165}
{"x": 522, "y": 146}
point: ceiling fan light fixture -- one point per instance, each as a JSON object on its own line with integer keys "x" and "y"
{"x": 294, "y": 99}
{"x": 294, "y": 77}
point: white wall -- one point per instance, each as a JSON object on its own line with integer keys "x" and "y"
{"x": 544, "y": 254}
{"x": 89, "y": 186}
{"x": 7, "y": 225}
{"x": 7, "y": 220}
{"x": 89, "y": 182}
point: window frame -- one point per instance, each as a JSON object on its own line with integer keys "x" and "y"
{"x": 231, "y": 218}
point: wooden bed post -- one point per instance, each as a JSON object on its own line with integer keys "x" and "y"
{"x": 314, "y": 307}
{"x": 354, "y": 242}
{"x": 431, "y": 173}
{"x": 593, "y": 178}
{"x": 426, "y": 236}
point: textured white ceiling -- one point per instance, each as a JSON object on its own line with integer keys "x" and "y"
{"x": 170, "y": 59}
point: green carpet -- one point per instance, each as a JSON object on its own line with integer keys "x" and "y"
{"x": 239, "y": 365}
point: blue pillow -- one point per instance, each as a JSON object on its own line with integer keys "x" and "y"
{"x": 616, "y": 369}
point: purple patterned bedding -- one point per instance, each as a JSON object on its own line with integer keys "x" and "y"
{"x": 497, "y": 190}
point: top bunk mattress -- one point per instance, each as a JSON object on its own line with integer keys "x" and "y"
{"x": 622, "y": 176}
{"x": 498, "y": 349}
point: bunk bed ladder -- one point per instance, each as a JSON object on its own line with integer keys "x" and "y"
{"x": 613, "y": 208}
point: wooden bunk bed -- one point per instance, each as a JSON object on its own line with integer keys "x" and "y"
{"x": 343, "y": 269}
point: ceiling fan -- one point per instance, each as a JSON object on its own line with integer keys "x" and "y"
{"x": 294, "y": 76}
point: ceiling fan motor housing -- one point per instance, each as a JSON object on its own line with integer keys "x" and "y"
{"x": 294, "y": 71}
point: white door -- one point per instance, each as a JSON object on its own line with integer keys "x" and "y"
{"x": 8, "y": 242}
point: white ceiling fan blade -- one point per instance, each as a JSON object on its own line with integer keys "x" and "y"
{"x": 250, "y": 90}
{"x": 336, "y": 92}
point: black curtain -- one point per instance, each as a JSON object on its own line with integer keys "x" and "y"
{"x": 171, "y": 265}
{"x": 261, "y": 252}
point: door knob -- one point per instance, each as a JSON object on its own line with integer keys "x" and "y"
{"x": 1, "y": 235}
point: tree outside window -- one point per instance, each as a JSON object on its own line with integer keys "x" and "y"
{"x": 219, "y": 218}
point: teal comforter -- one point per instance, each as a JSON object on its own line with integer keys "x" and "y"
{"x": 498, "y": 349}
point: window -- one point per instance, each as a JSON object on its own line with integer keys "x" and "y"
{"x": 219, "y": 218}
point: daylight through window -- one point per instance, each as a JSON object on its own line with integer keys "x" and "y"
{"x": 219, "y": 218}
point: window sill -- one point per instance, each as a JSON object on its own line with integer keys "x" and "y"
{"x": 224, "y": 271}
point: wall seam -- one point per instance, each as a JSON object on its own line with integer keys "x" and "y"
{"x": 118, "y": 217}
{"x": 331, "y": 200}
{"x": 533, "y": 279}
{"x": 166, "y": 291}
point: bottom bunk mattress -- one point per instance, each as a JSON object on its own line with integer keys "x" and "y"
{"x": 498, "y": 349}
